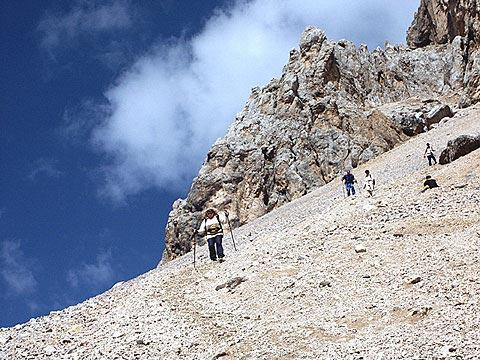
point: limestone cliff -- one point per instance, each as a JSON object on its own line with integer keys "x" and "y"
{"x": 444, "y": 21}
{"x": 440, "y": 21}
{"x": 334, "y": 107}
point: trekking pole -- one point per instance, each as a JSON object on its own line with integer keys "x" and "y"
{"x": 231, "y": 232}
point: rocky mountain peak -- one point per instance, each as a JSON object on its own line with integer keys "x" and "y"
{"x": 311, "y": 37}
{"x": 440, "y": 21}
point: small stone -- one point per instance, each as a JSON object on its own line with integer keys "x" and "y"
{"x": 325, "y": 283}
{"x": 332, "y": 228}
{"x": 142, "y": 342}
{"x": 4, "y": 339}
{"x": 231, "y": 284}
{"x": 49, "y": 350}
{"x": 360, "y": 249}
{"x": 117, "y": 334}
{"x": 219, "y": 355}
{"x": 415, "y": 280}
{"x": 369, "y": 207}
{"x": 447, "y": 350}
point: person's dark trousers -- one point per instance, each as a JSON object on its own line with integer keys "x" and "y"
{"x": 215, "y": 242}
{"x": 430, "y": 158}
{"x": 350, "y": 189}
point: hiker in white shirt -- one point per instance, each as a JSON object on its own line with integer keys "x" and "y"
{"x": 429, "y": 155}
{"x": 212, "y": 228}
{"x": 369, "y": 183}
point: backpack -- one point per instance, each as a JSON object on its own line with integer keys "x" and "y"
{"x": 213, "y": 230}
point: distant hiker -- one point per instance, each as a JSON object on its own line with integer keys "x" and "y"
{"x": 429, "y": 183}
{"x": 369, "y": 183}
{"x": 212, "y": 228}
{"x": 429, "y": 155}
{"x": 349, "y": 181}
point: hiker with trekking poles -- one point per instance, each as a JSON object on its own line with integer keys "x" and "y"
{"x": 211, "y": 227}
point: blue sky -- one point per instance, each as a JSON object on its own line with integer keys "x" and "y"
{"x": 107, "y": 111}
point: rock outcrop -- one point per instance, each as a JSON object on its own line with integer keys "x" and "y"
{"x": 441, "y": 21}
{"x": 459, "y": 147}
{"x": 335, "y": 106}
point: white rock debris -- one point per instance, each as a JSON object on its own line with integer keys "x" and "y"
{"x": 295, "y": 289}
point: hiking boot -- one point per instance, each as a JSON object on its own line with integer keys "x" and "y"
{"x": 221, "y": 259}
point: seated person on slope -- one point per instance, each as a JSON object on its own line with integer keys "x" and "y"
{"x": 429, "y": 183}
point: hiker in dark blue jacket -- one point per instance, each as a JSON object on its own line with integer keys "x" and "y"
{"x": 349, "y": 181}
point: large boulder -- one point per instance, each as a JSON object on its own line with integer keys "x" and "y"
{"x": 459, "y": 147}
{"x": 414, "y": 116}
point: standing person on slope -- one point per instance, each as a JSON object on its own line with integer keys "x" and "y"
{"x": 429, "y": 155}
{"x": 212, "y": 228}
{"x": 369, "y": 183}
{"x": 349, "y": 181}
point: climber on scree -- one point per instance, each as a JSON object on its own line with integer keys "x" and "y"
{"x": 212, "y": 228}
{"x": 429, "y": 155}
{"x": 429, "y": 183}
{"x": 369, "y": 183}
{"x": 349, "y": 181}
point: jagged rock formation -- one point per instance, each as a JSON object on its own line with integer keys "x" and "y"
{"x": 441, "y": 21}
{"x": 335, "y": 106}
{"x": 445, "y": 21}
{"x": 459, "y": 147}
{"x": 323, "y": 277}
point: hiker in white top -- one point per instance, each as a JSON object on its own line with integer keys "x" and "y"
{"x": 429, "y": 155}
{"x": 369, "y": 183}
{"x": 212, "y": 228}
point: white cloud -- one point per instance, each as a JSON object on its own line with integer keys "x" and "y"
{"x": 16, "y": 269}
{"x": 170, "y": 106}
{"x": 95, "y": 275}
{"x": 45, "y": 167}
{"x": 85, "y": 17}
